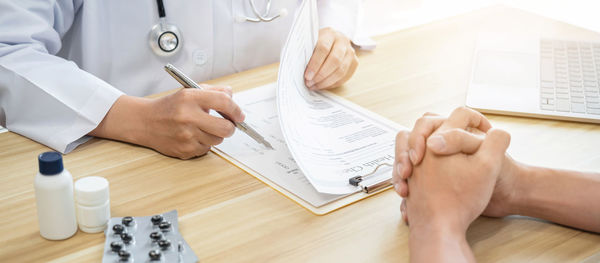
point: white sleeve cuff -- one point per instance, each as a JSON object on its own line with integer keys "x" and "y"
{"x": 91, "y": 114}
{"x": 54, "y": 103}
{"x": 341, "y": 15}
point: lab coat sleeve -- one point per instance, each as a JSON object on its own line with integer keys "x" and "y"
{"x": 341, "y": 15}
{"x": 42, "y": 96}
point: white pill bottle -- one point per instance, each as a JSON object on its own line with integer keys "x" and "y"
{"x": 92, "y": 204}
{"x": 54, "y": 197}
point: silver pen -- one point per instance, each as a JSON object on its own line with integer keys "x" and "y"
{"x": 189, "y": 83}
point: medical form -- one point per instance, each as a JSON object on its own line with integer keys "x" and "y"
{"x": 320, "y": 140}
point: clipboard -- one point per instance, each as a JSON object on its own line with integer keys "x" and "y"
{"x": 343, "y": 201}
{"x": 365, "y": 187}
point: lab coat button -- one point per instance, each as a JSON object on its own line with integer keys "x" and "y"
{"x": 200, "y": 57}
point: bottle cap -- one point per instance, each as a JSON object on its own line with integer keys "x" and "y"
{"x": 50, "y": 163}
{"x": 91, "y": 191}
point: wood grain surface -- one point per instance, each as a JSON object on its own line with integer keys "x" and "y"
{"x": 228, "y": 216}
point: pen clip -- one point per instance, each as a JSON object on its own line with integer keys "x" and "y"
{"x": 180, "y": 77}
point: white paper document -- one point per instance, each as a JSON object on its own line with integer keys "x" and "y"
{"x": 320, "y": 140}
{"x": 330, "y": 141}
{"x": 277, "y": 165}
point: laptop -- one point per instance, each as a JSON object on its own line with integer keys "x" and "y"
{"x": 536, "y": 77}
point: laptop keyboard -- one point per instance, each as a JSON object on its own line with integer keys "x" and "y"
{"x": 569, "y": 75}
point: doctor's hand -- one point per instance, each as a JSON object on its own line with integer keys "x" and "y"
{"x": 332, "y": 63}
{"x": 177, "y": 125}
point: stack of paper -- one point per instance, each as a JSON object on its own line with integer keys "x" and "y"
{"x": 320, "y": 140}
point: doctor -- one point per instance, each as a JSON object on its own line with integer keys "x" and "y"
{"x": 73, "y": 68}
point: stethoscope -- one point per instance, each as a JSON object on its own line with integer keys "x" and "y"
{"x": 165, "y": 39}
{"x": 260, "y": 18}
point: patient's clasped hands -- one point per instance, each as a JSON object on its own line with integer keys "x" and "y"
{"x": 451, "y": 170}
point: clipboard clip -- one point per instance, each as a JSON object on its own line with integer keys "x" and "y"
{"x": 372, "y": 187}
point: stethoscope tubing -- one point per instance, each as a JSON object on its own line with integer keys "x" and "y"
{"x": 261, "y": 18}
{"x": 165, "y": 29}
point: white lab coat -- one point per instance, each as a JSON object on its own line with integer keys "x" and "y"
{"x": 63, "y": 63}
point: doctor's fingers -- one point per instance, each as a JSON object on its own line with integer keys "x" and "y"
{"x": 424, "y": 127}
{"x": 324, "y": 43}
{"x": 465, "y": 118}
{"x": 221, "y": 88}
{"x": 213, "y": 125}
{"x": 349, "y": 72}
{"x": 335, "y": 58}
{"x": 190, "y": 150}
{"x": 206, "y": 138}
{"x": 221, "y": 102}
{"x": 341, "y": 75}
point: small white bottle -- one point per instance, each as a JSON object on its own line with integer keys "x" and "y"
{"x": 93, "y": 204}
{"x": 54, "y": 197}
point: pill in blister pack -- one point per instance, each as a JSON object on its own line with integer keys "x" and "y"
{"x": 146, "y": 239}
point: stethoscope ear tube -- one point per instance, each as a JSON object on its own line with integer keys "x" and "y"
{"x": 161, "y": 9}
{"x": 261, "y": 17}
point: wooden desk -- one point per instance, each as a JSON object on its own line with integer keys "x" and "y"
{"x": 227, "y": 215}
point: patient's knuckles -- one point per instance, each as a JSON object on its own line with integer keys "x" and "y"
{"x": 422, "y": 122}
{"x": 453, "y": 136}
{"x": 462, "y": 112}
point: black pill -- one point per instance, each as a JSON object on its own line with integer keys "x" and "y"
{"x": 118, "y": 228}
{"x": 156, "y": 219}
{"x": 165, "y": 225}
{"x": 127, "y": 221}
{"x": 124, "y": 255}
{"x": 164, "y": 244}
{"x": 156, "y": 236}
{"x": 126, "y": 238}
{"x": 116, "y": 246}
{"x": 154, "y": 254}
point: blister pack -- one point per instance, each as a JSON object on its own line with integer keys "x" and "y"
{"x": 146, "y": 239}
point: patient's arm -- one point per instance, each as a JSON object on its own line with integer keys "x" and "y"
{"x": 566, "y": 197}
{"x": 439, "y": 242}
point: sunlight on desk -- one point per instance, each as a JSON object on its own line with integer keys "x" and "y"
{"x": 227, "y": 215}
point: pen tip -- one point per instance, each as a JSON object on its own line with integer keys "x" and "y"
{"x": 268, "y": 145}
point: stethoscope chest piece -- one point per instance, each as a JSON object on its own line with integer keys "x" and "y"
{"x": 165, "y": 39}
